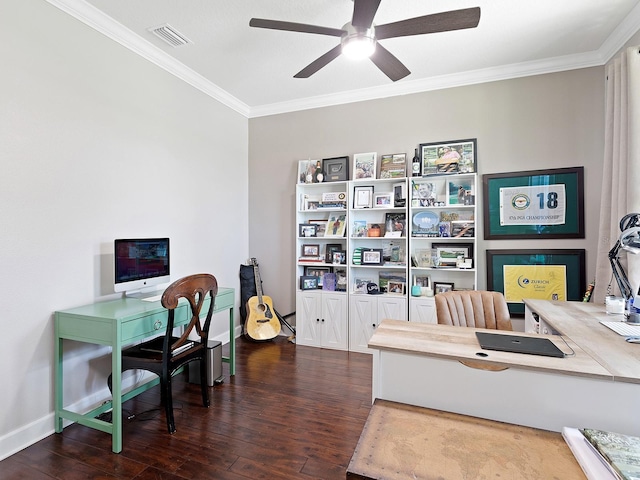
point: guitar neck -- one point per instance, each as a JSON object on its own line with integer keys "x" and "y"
{"x": 256, "y": 274}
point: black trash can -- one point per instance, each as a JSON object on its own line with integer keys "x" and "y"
{"x": 214, "y": 365}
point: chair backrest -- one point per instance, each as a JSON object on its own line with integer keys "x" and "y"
{"x": 194, "y": 288}
{"x": 473, "y": 308}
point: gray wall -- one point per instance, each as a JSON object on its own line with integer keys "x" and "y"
{"x": 95, "y": 144}
{"x": 546, "y": 121}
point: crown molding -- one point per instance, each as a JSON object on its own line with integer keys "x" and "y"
{"x": 106, "y": 25}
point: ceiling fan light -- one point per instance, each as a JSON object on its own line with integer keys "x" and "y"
{"x": 357, "y": 47}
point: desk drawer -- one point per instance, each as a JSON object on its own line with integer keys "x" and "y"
{"x": 152, "y": 324}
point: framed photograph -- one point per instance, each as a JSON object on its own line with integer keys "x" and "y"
{"x": 395, "y": 224}
{"x": 448, "y": 253}
{"x": 318, "y": 272}
{"x": 442, "y": 287}
{"x": 383, "y": 200}
{"x": 306, "y": 169}
{"x": 360, "y": 285}
{"x": 372, "y": 256}
{"x": 460, "y": 191}
{"x": 399, "y": 195}
{"x": 339, "y": 258}
{"x": 423, "y": 281}
{"x": 393, "y": 166}
{"x": 330, "y": 249}
{"x": 396, "y": 288}
{"x": 534, "y": 204}
{"x": 307, "y": 230}
{"x": 364, "y": 166}
{"x": 336, "y": 169}
{"x": 359, "y": 229}
{"x": 363, "y": 197}
{"x": 321, "y": 227}
{"x": 341, "y": 279}
{"x": 463, "y": 228}
{"x": 453, "y": 156}
{"x": 336, "y": 225}
{"x": 308, "y": 282}
{"x": 542, "y": 274}
{"x": 310, "y": 250}
{"x": 428, "y": 193}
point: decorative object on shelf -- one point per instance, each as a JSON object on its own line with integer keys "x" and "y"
{"x": 383, "y": 200}
{"x": 336, "y": 225}
{"x": 534, "y": 204}
{"x": 374, "y": 230}
{"x": 321, "y": 227}
{"x": 330, "y": 249}
{"x": 333, "y": 200}
{"x": 308, "y": 282}
{"x": 363, "y": 197}
{"x": 395, "y": 224}
{"x": 416, "y": 165}
{"x": 372, "y": 256}
{"x": 399, "y": 195}
{"x": 307, "y": 230}
{"x": 359, "y": 229}
{"x": 425, "y": 224}
{"x": 442, "y": 287}
{"x": 372, "y": 289}
{"x": 329, "y": 281}
{"x": 318, "y": 272}
{"x": 318, "y": 176}
{"x": 449, "y": 252}
{"x": 444, "y": 229}
{"x": 336, "y": 169}
{"x": 453, "y": 156}
{"x": 462, "y": 228}
{"x": 360, "y": 285}
{"x": 364, "y": 166}
{"x": 393, "y": 166}
{"x": 341, "y": 279}
{"x": 542, "y": 274}
{"x": 306, "y": 169}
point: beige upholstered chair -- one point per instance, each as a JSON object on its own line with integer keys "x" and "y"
{"x": 473, "y": 308}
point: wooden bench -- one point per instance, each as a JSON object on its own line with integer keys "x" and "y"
{"x": 405, "y": 442}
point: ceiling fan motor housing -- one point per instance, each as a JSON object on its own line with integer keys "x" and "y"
{"x": 358, "y": 42}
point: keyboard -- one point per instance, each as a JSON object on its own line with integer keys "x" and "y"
{"x": 155, "y": 298}
{"x": 622, "y": 328}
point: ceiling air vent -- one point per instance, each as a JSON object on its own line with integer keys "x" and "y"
{"x": 170, "y": 35}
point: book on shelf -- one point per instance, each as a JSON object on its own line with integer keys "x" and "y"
{"x": 319, "y": 259}
{"x": 604, "y": 455}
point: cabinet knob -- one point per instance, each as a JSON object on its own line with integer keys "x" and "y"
{"x": 373, "y": 325}
{"x": 157, "y": 325}
{"x": 317, "y": 319}
{"x": 323, "y": 319}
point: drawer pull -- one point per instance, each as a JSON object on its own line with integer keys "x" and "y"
{"x": 157, "y": 325}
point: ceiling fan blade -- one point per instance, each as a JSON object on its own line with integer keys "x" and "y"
{"x": 363, "y": 12}
{"x": 389, "y": 64}
{"x": 320, "y": 62}
{"x": 295, "y": 27}
{"x": 438, "y": 22}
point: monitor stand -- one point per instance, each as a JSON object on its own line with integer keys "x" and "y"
{"x": 147, "y": 295}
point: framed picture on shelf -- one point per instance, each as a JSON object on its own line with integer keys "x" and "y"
{"x": 399, "y": 195}
{"x": 364, "y": 166}
{"x": 423, "y": 281}
{"x": 321, "y": 227}
{"x": 383, "y": 200}
{"x": 461, "y": 191}
{"x": 534, "y": 204}
{"x": 336, "y": 225}
{"x": 360, "y": 285}
{"x": 452, "y": 156}
{"x": 428, "y": 193}
{"x": 341, "y": 279}
{"x": 395, "y": 288}
{"x": 395, "y": 224}
{"x": 557, "y": 274}
{"x": 310, "y": 250}
{"x": 393, "y": 166}
{"x": 448, "y": 253}
{"x": 442, "y": 287}
{"x": 336, "y": 169}
{"x": 339, "y": 258}
{"x": 306, "y": 230}
{"x": 423, "y": 258}
{"x": 318, "y": 272}
{"x": 359, "y": 229}
{"x": 463, "y": 228}
{"x": 372, "y": 256}
{"x": 306, "y": 169}
{"x": 329, "y": 281}
{"x": 363, "y": 197}
{"x": 308, "y": 282}
{"x": 330, "y": 249}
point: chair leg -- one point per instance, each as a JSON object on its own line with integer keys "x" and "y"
{"x": 204, "y": 386}
{"x": 165, "y": 389}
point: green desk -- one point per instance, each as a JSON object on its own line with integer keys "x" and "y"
{"x": 118, "y": 323}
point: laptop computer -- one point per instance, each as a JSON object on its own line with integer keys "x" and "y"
{"x": 518, "y": 344}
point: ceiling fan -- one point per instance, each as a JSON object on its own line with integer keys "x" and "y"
{"x": 359, "y": 38}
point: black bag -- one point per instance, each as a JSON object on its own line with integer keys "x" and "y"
{"x": 247, "y": 289}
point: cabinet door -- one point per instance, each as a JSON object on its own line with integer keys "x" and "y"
{"x": 362, "y": 321}
{"x": 423, "y": 310}
{"x": 394, "y": 308}
{"x": 334, "y": 321}
{"x": 308, "y": 313}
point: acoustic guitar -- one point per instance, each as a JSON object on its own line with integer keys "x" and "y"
{"x": 261, "y": 323}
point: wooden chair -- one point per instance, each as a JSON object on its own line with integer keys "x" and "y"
{"x": 473, "y": 308}
{"x": 165, "y": 354}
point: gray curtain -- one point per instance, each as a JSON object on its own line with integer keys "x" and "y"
{"x": 621, "y": 168}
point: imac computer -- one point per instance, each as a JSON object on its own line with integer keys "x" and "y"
{"x": 141, "y": 264}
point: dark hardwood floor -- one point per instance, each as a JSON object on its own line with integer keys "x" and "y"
{"x": 290, "y": 412}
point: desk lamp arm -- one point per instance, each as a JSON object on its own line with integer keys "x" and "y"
{"x": 627, "y": 241}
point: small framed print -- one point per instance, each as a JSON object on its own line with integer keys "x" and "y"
{"x": 307, "y": 230}
{"x": 372, "y": 256}
{"x": 339, "y": 258}
{"x": 363, "y": 197}
{"x": 306, "y": 169}
{"x": 393, "y": 166}
{"x": 364, "y": 166}
{"x": 423, "y": 281}
{"x": 330, "y": 249}
{"x": 310, "y": 250}
{"x": 336, "y": 169}
{"x": 317, "y": 272}
{"x": 321, "y": 227}
{"x": 448, "y": 253}
{"x": 396, "y": 288}
{"x": 442, "y": 287}
{"x": 452, "y": 156}
{"x": 308, "y": 282}
{"x": 383, "y": 200}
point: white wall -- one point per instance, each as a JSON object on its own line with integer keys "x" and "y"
{"x": 546, "y": 121}
{"x": 97, "y": 143}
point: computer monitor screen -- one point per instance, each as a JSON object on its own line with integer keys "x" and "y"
{"x": 141, "y": 263}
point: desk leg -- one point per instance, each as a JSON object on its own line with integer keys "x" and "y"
{"x": 116, "y": 387}
{"x": 59, "y": 384}
{"x": 232, "y": 344}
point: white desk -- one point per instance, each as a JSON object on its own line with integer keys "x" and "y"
{"x": 420, "y": 365}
